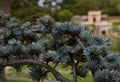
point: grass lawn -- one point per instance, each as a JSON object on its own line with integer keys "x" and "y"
{"x": 10, "y": 80}
{"x": 69, "y": 76}
{"x": 25, "y": 74}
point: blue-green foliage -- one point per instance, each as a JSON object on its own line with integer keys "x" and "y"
{"x": 38, "y": 73}
{"x": 15, "y": 40}
{"x": 106, "y": 75}
{"x": 81, "y": 71}
{"x": 66, "y": 43}
{"x": 66, "y": 46}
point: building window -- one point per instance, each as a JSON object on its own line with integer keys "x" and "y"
{"x": 94, "y": 19}
{"x": 104, "y": 32}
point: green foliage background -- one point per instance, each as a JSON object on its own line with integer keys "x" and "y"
{"x": 65, "y": 15}
{"x": 116, "y": 45}
{"x": 110, "y": 7}
{"x": 30, "y": 11}
{"x": 27, "y": 11}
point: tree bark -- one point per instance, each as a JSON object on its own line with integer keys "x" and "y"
{"x": 6, "y": 6}
{"x": 56, "y": 74}
{"x": 2, "y": 75}
{"x": 74, "y": 73}
{"x": 93, "y": 73}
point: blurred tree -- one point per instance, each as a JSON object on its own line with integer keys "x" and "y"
{"x": 23, "y": 3}
{"x": 0, "y": 2}
{"x": 52, "y": 7}
{"x": 65, "y": 15}
{"x": 116, "y": 47}
{"x": 67, "y": 3}
{"x": 27, "y": 10}
{"x": 110, "y": 7}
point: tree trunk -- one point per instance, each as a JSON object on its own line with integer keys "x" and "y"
{"x": 2, "y": 75}
{"x": 57, "y": 75}
{"x": 93, "y": 73}
{"x": 74, "y": 73}
{"x": 6, "y": 6}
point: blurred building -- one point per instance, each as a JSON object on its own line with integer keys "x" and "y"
{"x": 100, "y": 22}
{"x": 104, "y": 28}
{"x": 76, "y": 18}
